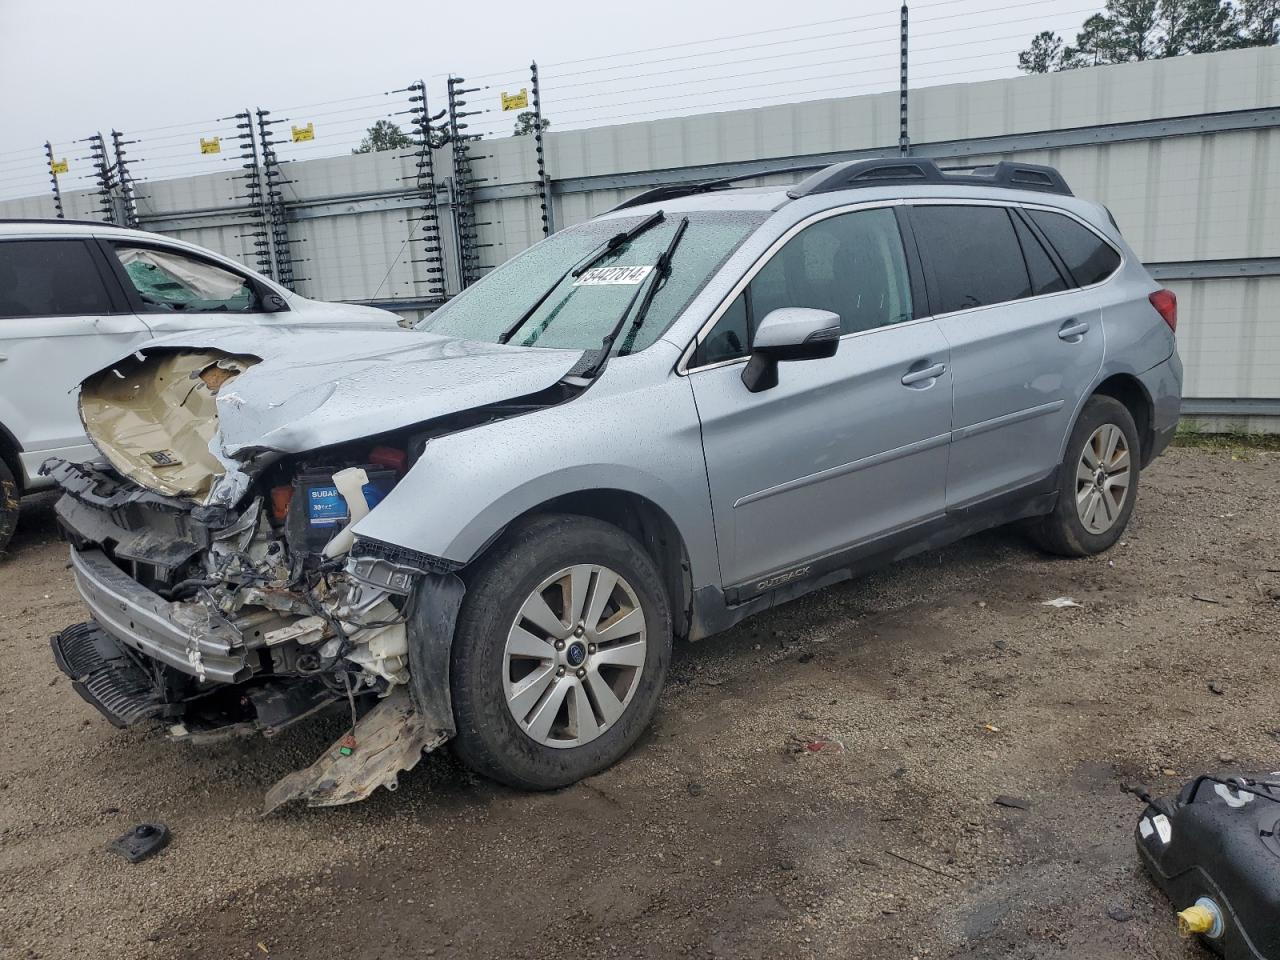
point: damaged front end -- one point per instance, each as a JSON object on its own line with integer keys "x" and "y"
{"x": 231, "y": 598}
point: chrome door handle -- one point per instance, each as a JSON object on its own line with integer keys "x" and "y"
{"x": 1073, "y": 330}
{"x": 928, "y": 373}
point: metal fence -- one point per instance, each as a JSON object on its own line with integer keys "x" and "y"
{"x": 1185, "y": 152}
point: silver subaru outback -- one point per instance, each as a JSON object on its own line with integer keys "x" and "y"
{"x": 489, "y": 530}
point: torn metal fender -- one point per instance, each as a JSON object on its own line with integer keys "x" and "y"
{"x": 437, "y": 599}
{"x": 388, "y": 739}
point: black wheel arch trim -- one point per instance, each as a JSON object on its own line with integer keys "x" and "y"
{"x": 433, "y": 618}
{"x": 1128, "y": 389}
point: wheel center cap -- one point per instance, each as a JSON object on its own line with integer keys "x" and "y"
{"x": 575, "y": 654}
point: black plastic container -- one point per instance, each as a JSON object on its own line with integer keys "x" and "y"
{"x": 1221, "y": 843}
{"x": 317, "y": 510}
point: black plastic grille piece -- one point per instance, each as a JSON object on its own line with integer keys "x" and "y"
{"x": 105, "y": 675}
{"x": 366, "y": 547}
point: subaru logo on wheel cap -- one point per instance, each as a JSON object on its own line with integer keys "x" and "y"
{"x": 575, "y": 654}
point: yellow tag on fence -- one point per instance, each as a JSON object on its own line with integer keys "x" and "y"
{"x": 58, "y": 166}
{"x": 304, "y": 133}
{"x": 211, "y": 145}
{"x": 516, "y": 101}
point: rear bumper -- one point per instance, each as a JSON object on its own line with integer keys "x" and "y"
{"x": 1163, "y": 383}
{"x": 184, "y": 636}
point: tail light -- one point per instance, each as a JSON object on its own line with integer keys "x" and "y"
{"x": 1166, "y": 305}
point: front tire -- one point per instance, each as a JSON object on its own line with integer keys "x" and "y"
{"x": 9, "y": 505}
{"x": 1098, "y": 482}
{"x": 560, "y": 652}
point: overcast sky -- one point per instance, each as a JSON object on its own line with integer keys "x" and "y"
{"x": 164, "y": 71}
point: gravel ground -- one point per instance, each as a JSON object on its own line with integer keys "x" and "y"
{"x": 945, "y": 678}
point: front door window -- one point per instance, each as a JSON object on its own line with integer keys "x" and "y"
{"x": 851, "y": 264}
{"x": 168, "y": 281}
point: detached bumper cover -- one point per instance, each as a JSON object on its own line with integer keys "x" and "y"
{"x": 186, "y": 637}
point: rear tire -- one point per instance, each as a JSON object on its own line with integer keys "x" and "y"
{"x": 1097, "y": 484}
{"x": 517, "y": 644}
{"x": 9, "y": 505}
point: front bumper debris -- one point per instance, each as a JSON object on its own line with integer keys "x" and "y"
{"x": 188, "y": 637}
{"x": 128, "y": 688}
{"x": 106, "y": 675}
{"x": 118, "y": 661}
{"x": 223, "y": 623}
{"x": 388, "y": 739}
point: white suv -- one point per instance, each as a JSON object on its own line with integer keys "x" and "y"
{"x": 75, "y": 296}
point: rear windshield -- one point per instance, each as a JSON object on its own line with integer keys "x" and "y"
{"x": 580, "y": 311}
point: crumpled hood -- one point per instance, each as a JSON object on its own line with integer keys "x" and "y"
{"x": 314, "y": 388}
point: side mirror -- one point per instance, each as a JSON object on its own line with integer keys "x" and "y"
{"x": 790, "y": 333}
{"x": 268, "y": 300}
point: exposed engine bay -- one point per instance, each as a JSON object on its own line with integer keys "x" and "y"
{"x": 228, "y": 617}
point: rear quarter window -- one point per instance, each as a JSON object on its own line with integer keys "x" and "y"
{"x": 1045, "y": 277}
{"x": 1089, "y": 258}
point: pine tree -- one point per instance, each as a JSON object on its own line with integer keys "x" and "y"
{"x": 1130, "y": 30}
{"x": 1258, "y": 23}
{"x": 1197, "y": 26}
{"x": 1044, "y": 54}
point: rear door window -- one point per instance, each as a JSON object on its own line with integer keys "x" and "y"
{"x": 50, "y": 278}
{"x": 1089, "y": 258}
{"x": 973, "y": 254}
{"x": 168, "y": 281}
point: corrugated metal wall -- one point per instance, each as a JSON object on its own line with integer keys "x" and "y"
{"x": 1185, "y": 152}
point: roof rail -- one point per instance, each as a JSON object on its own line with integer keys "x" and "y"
{"x": 888, "y": 171}
{"x": 672, "y": 191}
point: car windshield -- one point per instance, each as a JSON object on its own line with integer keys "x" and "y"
{"x": 582, "y": 310}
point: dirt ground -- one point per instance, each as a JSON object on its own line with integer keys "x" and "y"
{"x": 945, "y": 678}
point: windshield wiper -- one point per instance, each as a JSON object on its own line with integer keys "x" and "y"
{"x": 591, "y": 363}
{"x": 582, "y": 266}
{"x": 617, "y": 240}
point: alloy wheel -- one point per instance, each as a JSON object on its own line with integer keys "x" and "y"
{"x": 574, "y": 656}
{"x": 1103, "y": 477}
